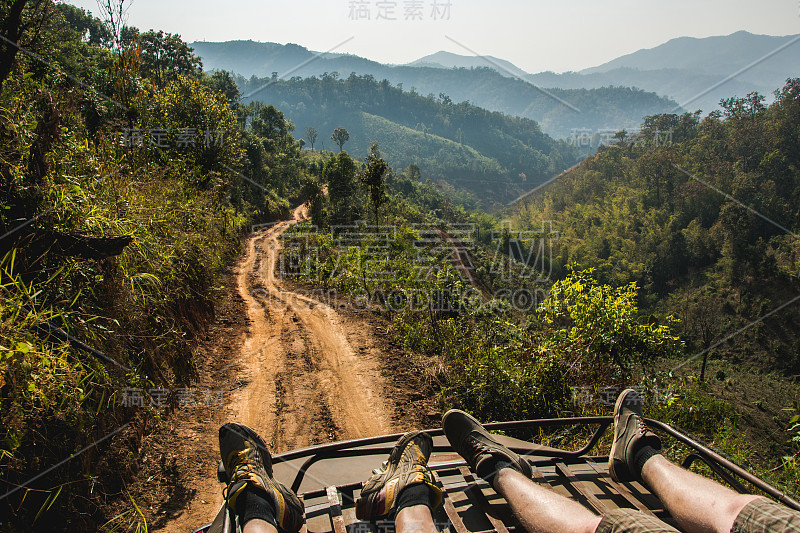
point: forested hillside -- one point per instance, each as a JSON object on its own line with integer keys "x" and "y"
{"x": 707, "y": 220}
{"x": 492, "y": 155}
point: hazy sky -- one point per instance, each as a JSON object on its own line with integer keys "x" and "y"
{"x": 535, "y": 35}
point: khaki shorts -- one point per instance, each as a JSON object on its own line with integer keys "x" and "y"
{"x": 763, "y": 516}
{"x": 758, "y": 516}
{"x": 632, "y": 521}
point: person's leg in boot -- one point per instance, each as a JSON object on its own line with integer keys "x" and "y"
{"x": 541, "y": 510}
{"x": 260, "y": 502}
{"x": 538, "y": 509}
{"x": 698, "y": 504}
{"x": 403, "y": 488}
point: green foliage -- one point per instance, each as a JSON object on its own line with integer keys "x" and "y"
{"x": 598, "y": 330}
{"x": 165, "y": 56}
{"x": 222, "y": 81}
{"x": 340, "y": 136}
{"x": 499, "y": 380}
{"x": 372, "y": 177}
{"x": 695, "y": 409}
{"x": 311, "y": 135}
{"x": 273, "y": 156}
{"x": 186, "y": 104}
{"x": 315, "y": 199}
{"x": 656, "y": 214}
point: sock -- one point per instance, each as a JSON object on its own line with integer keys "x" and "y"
{"x": 641, "y": 457}
{"x": 418, "y": 494}
{"x": 489, "y": 468}
{"x": 255, "y": 505}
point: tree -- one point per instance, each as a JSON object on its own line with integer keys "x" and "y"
{"x": 311, "y": 135}
{"x": 274, "y": 127}
{"x": 187, "y": 101}
{"x": 222, "y": 82}
{"x": 18, "y": 19}
{"x": 165, "y": 56}
{"x": 596, "y": 328}
{"x": 312, "y": 191}
{"x": 340, "y": 172}
{"x": 90, "y": 29}
{"x": 340, "y": 136}
{"x": 372, "y": 178}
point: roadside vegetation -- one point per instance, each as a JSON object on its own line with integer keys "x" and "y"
{"x": 126, "y": 184}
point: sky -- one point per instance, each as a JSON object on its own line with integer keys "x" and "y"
{"x": 535, "y": 35}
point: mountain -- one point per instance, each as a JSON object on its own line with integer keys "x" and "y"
{"x": 448, "y": 60}
{"x": 697, "y": 73}
{"x": 721, "y": 55}
{"x": 560, "y": 111}
{"x": 251, "y": 58}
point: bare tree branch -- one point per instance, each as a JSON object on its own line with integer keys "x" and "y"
{"x": 115, "y": 14}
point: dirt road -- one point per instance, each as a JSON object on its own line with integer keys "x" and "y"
{"x": 306, "y": 384}
{"x": 307, "y": 374}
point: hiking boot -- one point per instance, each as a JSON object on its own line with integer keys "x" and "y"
{"x": 476, "y": 445}
{"x": 407, "y": 466}
{"x": 248, "y": 465}
{"x": 630, "y": 435}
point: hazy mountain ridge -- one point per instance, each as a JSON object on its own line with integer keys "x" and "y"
{"x": 448, "y": 60}
{"x": 681, "y": 71}
{"x": 722, "y": 55}
{"x": 560, "y": 111}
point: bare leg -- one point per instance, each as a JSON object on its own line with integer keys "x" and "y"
{"x": 699, "y": 504}
{"x": 541, "y": 510}
{"x": 415, "y": 519}
{"x": 258, "y": 526}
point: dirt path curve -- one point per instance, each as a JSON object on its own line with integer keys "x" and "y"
{"x": 306, "y": 384}
{"x": 302, "y": 383}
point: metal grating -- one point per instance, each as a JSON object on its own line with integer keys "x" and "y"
{"x": 470, "y": 505}
{"x": 328, "y": 479}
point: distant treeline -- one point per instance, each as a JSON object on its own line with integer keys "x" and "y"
{"x": 491, "y": 154}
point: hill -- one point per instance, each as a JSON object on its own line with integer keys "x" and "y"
{"x": 722, "y": 55}
{"x": 449, "y": 60}
{"x": 706, "y": 226}
{"x": 698, "y": 73}
{"x": 492, "y": 155}
{"x": 684, "y": 72}
{"x": 560, "y": 111}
